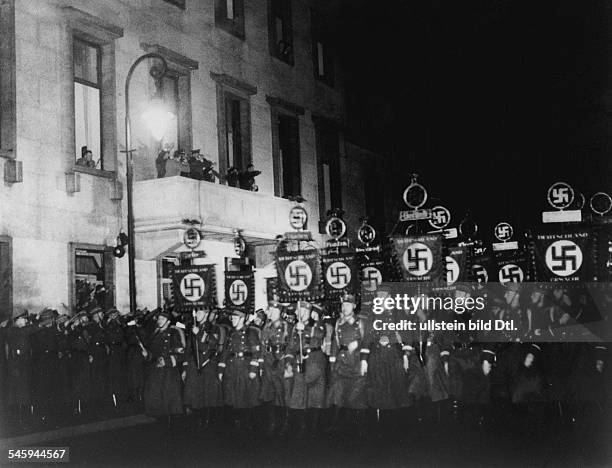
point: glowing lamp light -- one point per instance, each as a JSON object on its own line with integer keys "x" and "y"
{"x": 157, "y": 118}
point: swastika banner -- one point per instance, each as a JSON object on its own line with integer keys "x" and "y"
{"x": 299, "y": 275}
{"x": 240, "y": 290}
{"x": 458, "y": 264}
{"x": 193, "y": 287}
{"x": 564, "y": 256}
{"x": 511, "y": 266}
{"x": 420, "y": 257}
{"x": 340, "y": 274}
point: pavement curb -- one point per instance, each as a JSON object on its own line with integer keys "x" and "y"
{"x": 71, "y": 431}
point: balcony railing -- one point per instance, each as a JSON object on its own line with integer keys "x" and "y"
{"x": 164, "y": 204}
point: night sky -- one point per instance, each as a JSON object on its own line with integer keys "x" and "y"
{"x": 489, "y": 101}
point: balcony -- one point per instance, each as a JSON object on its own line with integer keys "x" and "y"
{"x": 162, "y": 205}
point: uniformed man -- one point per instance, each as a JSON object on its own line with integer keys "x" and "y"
{"x": 117, "y": 358}
{"x": 383, "y": 363}
{"x": 79, "y": 363}
{"x": 164, "y": 353}
{"x": 239, "y": 370}
{"x": 18, "y": 349}
{"x": 203, "y": 392}
{"x": 46, "y": 367}
{"x": 274, "y": 338}
{"x": 135, "y": 337}
{"x": 86, "y": 158}
{"x": 347, "y": 383}
{"x": 307, "y": 367}
{"x": 64, "y": 383}
{"x": 98, "y": 361}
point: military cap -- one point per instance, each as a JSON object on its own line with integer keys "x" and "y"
{"x": 349, "y": 298}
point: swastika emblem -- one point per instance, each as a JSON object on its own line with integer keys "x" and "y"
{"x": 440, "y": 217}
{"x": 480, "y": 273}
{"x": 510, "y": 273}
{"x": 563, "y": 257}
{"x": 503, "y": 232}
{"x": 238, "y": 292}
{"x": 192, "y": 287}
{"x": 452, "y": 270}
{"x": 298, "y": 275}
{"x": 560, "y": 195}
{"x": 372, "y": 277}
{"x": 418, "y": 259}
{"x": 338, "y": 275}
{"x": 298, "y": 217}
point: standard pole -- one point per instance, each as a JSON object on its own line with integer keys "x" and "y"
{"x": 129, "y": 175}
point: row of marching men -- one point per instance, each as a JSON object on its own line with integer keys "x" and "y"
{"x": 286, "y": 369}
{"x": 55, "y": 369}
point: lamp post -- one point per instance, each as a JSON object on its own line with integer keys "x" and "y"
{"x": 156, "y": 120}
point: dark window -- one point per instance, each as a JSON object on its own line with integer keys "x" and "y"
{"x": 87, "y": 104}
{"x": 322, "y": 54}
{"x": 93, "y": 277}
{"x": 328, "y": 162}
{"x": 178, "y": 3}
{"x": 229, "y": 16}
{"x": 237, "y": 132}
{"x": 286, "y": 138}
{"x": 165, "y": 280}
{"x": 280, "y": 29}
{"x": 6, "y": 278}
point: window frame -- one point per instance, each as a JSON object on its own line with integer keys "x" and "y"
{"x": 273, "y": 40}
{"x": 8, "y": 89}
{"x": 109, "y": 270}
{"x": 322, "y": 125}
{"x": 280, "y": 107}
{"x": 78, "y": 37}
{"x": 232, "y": 86}
{"x": 231, "y": 26}
{"x": 89, "y": 28}
{"x": 8, "y": 241}
{"x": 320, "y": 34}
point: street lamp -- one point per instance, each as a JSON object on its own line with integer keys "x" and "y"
{"x": 156, "y": 119}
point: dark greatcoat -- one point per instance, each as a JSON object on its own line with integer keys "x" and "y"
{"x": 308, "y": 386}
{"x": 135, "y": 361}
{"x": 98, "y": 350}
{"x": 79, "y": 364}
{"x": 241, "y": 357}
{"x": 162, "y": 392}
{"x": 347, "y": 385}
{"x": 203, "y": 388}
{"x": 45, "y": 376}
{"x": 19, "y": 365}
{"x": 117, "y": 358}
{"x": 274, "y": 337}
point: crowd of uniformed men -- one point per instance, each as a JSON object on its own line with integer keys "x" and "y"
{"x": 292, "y": 369}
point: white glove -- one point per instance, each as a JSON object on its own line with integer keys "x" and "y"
{"x": 352, "y": 346}
{"x": 406, "y": 363}
{"x": 184, "y": 375}
{"x": 252, "y": 375}
{"x": 220, "y": 377}
{"x": 90, "y": 358}
{"x": 364, "y": 367}
{"x": 195, "y": 330}
{"x": 288, "y": 372}
{"x": 161, "y": 362}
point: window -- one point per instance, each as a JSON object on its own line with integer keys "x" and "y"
{"x": 286, "y": 153}
{"x": 323, "y": 61}
{"x": 233, "y": 122}
{"x": 165, "y": 265}
{"x": 328, "y": 167}
{"x": 170, "y": 92}
{"x": 87, "y": 115}
{"x": 93, "y": 276}
{"x": 229, "y": 16}
{"x": 280, "y": 30}
{"x": 6, "y": 278}
{"x": 375, "y": 196}
{"x": 8, "y": 113}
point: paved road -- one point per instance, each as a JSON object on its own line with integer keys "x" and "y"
{"x": 152, "y": 445}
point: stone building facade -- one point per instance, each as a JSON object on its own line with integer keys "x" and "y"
{"x": 247, "y": 82}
